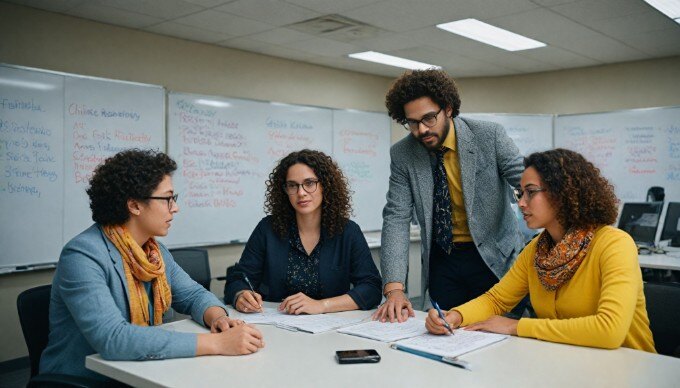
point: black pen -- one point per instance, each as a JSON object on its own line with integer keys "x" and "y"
{"x": 252, "y": 290}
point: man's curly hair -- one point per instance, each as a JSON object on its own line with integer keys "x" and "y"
{"x": 415, "y": 84}
{"x": 582, "y": 196}
{"x": 336, "y": 206}
{"x": 129, "y": 174}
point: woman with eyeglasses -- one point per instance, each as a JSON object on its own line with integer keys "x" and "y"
{"x": 306, "y": 254}
{"x": 114, "y": 281}
{"x": 581, "y": 274}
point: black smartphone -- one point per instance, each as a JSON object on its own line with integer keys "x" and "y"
{"x": 357, "y": 356}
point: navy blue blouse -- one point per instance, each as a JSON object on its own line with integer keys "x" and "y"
{"x": 345, "y": 266}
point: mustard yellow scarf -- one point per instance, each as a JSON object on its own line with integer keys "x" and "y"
{"x": 142, "y": 264}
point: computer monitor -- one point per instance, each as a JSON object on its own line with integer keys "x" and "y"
{"x": 671, "y": 225}
{"x": 641, "y": 220}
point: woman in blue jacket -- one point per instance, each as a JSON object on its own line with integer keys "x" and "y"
{"x": 307, "y": 254}
{"x": 114, "y": 281}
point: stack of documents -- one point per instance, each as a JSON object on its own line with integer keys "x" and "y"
{"x": 448, "y": 346}
{"x": 386, "y": 331}
{"x": 309, "y": 323}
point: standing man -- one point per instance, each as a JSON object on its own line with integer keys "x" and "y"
{"x": 457, "y": 174}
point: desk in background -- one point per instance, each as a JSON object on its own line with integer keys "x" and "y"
{"x": 307, "y": 360}
{"x": 415, "y": 267}
{"x": 658, "y": 261}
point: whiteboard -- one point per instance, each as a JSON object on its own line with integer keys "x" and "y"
{"x": 531, "y": 133}
{"x": 54, "y": 129}
{"x": 225, "y": 149}
{"x": 361, "y": 145}
{"x": 634, "y": 149}
{"x": 31, "y": 157}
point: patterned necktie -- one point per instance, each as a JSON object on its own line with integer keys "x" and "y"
{"x": 442, "y": 225}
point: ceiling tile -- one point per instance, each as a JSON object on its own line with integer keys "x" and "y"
{"x": 49, "y": 5}
{"x": 389, "y": 42}
{"x": 323, "y": 46}
{"x": 550, "y": 3}
{"x": 560, "y": 57}
{"x": 224, "y": 22}
{"x": 332, "y": 6}
{"x": 586, "y": 11}
{"x": 280, "y": 35}
{"x": 625, "y": 27}
{"x": 209, "y": 3}
{"x": 405, "y": 15}
{"x": 166, "y": 9}
{"x": 188, "y": 32}
{"x": 273, "y": 12}
{"x": 113, "y": 16}
{"x": 259, "y": 47}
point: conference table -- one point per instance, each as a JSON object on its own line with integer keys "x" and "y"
{"x": 669, "y": 261}
{"x": 298, "y": 359}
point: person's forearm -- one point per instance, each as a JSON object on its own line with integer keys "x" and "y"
{"x": 339, "y": 303}
{"x": 212, "y": 313}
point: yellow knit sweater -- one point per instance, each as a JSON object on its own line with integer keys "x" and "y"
{"x": 602, "y": 305}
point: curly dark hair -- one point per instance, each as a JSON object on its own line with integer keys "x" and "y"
{"x": 583, "y": 197}
{"x": 336, "y": 206}
{"x": 129, "y": 174}
{"x": 415, "y": 84}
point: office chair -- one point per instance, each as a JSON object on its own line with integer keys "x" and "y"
{"x": 195, "y": 262}
{"x": 663, "y": 309}
{"x": 33, "y": 306}
{"x": 656, "y": 194}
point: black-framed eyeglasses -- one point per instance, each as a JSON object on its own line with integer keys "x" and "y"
{"x": 530, "y": 192}
{"x": 172, "y": 199}
{"x": 309, "y": 185}
{"x": 429, "y": 120}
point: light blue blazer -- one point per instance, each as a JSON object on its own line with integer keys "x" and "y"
{"x": 89, "y": 310}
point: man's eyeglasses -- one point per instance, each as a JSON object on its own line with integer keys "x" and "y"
{"x": 530, "y": 192}
{"x": 171, "y": 200}
{"x": 308, "y": 185}
{"x": 429, "y": 120}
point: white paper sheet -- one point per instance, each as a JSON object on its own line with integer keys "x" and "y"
{"x": 387, "y": 331}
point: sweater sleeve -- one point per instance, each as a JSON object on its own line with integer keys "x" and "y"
{"x": 502, "y": 297}
{"x": 607, "y": 328}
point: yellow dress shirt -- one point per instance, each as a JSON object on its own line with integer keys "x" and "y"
{"x": 461, "y": 230}
{"x": 602, "y": 305}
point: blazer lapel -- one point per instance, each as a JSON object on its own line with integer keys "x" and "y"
{"x": 467, "y": 157}
{"x": 117, "y": 262}
{"x": 422, "y": 170}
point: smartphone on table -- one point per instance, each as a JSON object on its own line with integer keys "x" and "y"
{"x": 357, "y": 356}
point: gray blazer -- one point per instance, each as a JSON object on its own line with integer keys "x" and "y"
{"x": 490, "y": 165}
{"x": 89, "y": 310}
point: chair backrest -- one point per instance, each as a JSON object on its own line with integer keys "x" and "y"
{"x": 195, "y": 262}
{"x": 33, "y": 306}
{"x": 663, "y": 309}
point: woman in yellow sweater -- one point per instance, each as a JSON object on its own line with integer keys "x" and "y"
{"x": 582, "y": 275}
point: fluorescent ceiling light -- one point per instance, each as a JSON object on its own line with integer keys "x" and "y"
{"x": 486, "y": 33}
{"x": 214, "y": 103}
{"x": 390, "y": 60}
{"x": 670, "y": 8}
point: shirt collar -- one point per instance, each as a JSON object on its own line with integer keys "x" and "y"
{"x": 450, "y": 141}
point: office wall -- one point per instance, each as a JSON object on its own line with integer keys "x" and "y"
{"x": 56, "y": 42}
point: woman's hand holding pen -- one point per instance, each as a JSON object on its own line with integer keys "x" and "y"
{"x": 249, "y": 302}
{"x": 242, "y": 339}
{"x": 435, "y": 325}
{"x": 300, "y": 303}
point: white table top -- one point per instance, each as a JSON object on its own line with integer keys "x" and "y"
{"x": 294, "y": 359}
{"x": 669, "y": 261}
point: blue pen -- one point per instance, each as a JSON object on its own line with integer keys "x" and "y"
{"x": 252, "y": 290}
{"x": 441, "y": 315}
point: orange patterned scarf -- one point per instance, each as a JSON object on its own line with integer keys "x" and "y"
{"x": 142, "y": 264}
{"x": 557, "y": 263}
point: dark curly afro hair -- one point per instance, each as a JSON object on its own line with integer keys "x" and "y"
{"x": 415, "y": 84}
{"x": 129, "y": 174}
{"x": 336, "y": 206}
{"x": 583, "y": 197}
